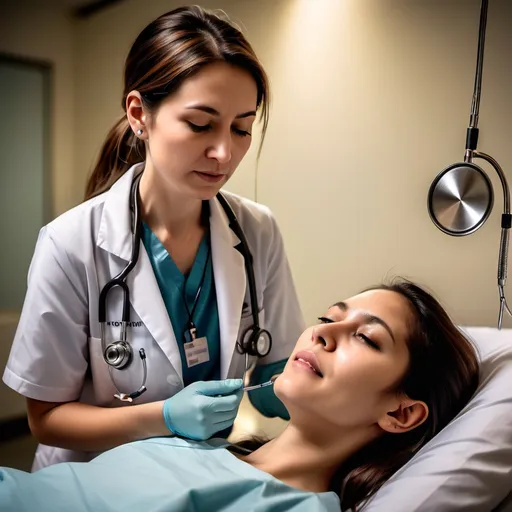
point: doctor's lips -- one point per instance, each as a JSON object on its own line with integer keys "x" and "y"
{"x": 308, "y": 360}
{"x": 212, "y": 177}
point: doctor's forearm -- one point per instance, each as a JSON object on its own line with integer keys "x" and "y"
{"x": 83, "y": 427}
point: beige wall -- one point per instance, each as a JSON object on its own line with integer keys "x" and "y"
{"x": 40, "y": 30}
{"x": 371, "y": 100}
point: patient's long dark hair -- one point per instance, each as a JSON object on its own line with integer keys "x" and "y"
{"x": 443, "y": 372}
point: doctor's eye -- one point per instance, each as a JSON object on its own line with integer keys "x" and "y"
{"x": 325, "y": 320}
{"x": 198, "y": 128}
{"x": 241, "y": 133}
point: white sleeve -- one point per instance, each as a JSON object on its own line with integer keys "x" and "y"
{"x": 49, "y": 355}
{"x": 283, "y": 315}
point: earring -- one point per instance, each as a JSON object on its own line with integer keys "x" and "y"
{"x": 139, "y": 131}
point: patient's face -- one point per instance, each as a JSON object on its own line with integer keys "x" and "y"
{"x": 343, "y": 371}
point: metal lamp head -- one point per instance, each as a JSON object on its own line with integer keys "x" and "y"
{"x": 460, "y": 199}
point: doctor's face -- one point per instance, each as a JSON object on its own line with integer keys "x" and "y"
{"x": 200, "y": 133}
{"x": 345, "y": 370}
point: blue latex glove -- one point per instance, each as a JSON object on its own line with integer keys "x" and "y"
{"x": 203, "y": 408}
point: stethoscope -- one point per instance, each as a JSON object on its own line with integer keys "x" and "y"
{"x": 118, "y": 355}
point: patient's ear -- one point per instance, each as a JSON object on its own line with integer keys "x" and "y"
{"x": 408, "y": 415}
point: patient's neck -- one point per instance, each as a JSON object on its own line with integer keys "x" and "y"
{"x": 308, "y": 459}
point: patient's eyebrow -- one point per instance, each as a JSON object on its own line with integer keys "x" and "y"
{"x": 368, "y": 319}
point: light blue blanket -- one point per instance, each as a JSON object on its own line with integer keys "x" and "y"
{"x": 157, "y": 475}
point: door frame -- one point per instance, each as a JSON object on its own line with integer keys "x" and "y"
{"x": 47, "y": 70}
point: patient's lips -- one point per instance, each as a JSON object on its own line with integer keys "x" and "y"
{"x": 308, "y": 361}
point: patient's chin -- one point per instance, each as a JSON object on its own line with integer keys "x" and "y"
{"x": 287, "y": 390}
{"x": 281, "y": 387}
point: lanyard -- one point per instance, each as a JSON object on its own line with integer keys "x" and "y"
{"x": 190, "y": 330}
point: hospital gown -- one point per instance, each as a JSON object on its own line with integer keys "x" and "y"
{"x": 157, "y": 475}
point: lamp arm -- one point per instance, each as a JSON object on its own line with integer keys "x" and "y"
{"x": 501, "y": 174}
{"x": 506, "y": 223}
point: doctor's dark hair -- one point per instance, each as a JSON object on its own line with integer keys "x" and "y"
{"x": 171, "y": 49}
{"x": 443, "y": 372}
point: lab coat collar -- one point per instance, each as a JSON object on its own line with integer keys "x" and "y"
{"x": 115, "y": 232}
{"x": 115, "y": 236}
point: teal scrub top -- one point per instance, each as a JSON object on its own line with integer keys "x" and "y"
{"x": 175, "y": 289}
{"x": 172, "y": 284}
{"x": 159, "y": 474}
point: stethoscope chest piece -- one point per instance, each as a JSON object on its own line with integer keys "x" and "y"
{"x": 256, "y": 342}
{"x": 118, "y": 355}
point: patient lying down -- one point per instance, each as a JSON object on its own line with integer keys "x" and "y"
{"x": 372, "y": 382}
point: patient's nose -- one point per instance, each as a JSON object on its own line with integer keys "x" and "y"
{"x": 322, "y": 335}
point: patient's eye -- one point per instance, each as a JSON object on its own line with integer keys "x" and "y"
{"x": 368, "y": 341}
{"x": 325, "y": 320}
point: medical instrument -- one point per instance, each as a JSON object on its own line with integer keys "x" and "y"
{"x": 258, "y": 386}
{"x": 461, "y": 197}
{"x": 118, "y": 354}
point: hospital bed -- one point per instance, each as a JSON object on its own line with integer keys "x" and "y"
{"x": 468, "y": 466}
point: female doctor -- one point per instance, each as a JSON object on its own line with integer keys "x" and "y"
{"x": 147, "y": 303}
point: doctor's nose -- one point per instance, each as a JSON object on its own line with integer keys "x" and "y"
{"x": 221, "y": 149}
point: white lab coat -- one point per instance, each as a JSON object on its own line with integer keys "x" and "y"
{"x": 56, "y": 355}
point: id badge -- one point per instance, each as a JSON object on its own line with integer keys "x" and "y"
{"x": 196, "y": 352}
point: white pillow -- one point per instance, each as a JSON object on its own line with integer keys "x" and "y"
{"x": 468, "y": 465}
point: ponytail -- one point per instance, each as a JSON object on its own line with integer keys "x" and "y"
{"x": 119, "y": 152}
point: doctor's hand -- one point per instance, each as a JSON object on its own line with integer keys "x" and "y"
{"x": 198, "y": 412}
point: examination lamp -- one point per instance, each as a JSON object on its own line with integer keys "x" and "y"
{"x": 461, "y": 197}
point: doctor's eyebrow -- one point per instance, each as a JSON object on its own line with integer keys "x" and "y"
{"x": 368, "y": 319}
{"x": 213, "y": 112}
